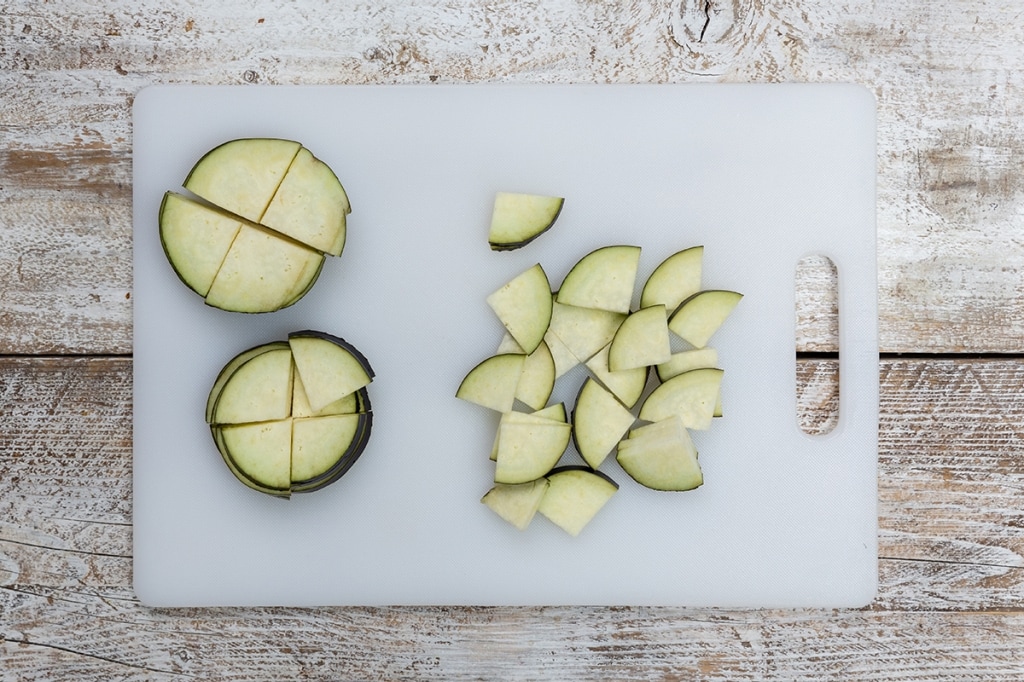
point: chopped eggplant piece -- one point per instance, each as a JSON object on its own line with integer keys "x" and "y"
{"x": 700, "y": 316}
{"x": 574, "y": 496}
{"x": 603, "y": 279}
{"x": 599, "y": 421}
{"x": 518, "y": 219}
{"x": 493, "y": 382}
{"x": 516, "y": 503}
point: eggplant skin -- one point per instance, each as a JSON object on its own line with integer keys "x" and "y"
{"x": 581, "y": 467}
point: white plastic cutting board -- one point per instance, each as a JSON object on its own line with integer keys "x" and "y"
{"x": 760, "y": 175}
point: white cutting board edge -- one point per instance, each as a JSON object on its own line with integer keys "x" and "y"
{"x": 761, "y": 175}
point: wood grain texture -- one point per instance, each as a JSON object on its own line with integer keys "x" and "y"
{"x": 947, "y": 77}
{"x": 948, "y": 80}
{"x": 950, "y": 603}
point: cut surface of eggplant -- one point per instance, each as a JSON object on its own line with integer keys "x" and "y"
{"x": 319, "y": 442}
{"x": 345, "y": 460}
{"x": 691, "y": 395}
{"x": 563, "y": 358}
{"x": 662, "y": 458}
{"x": 517, "y": 219}
{"x": 310, "y": 205}
{"x": 641, "y": 340}
{"x": 591, "y": 320}
{"x": 700, "y": 316}
{"x": 259, "y": 390}
{"x": 685, "y": 360}
{"x": 627, "y": 385}
{"x": 516, "y": 503}
{"x": 328, "y": 367}
{"x": 537, "y": 381}
{"x": 262, "y": 273}
{"x": 242, "y": 175}
{"x": 675, "y": 279}
{"x": 528, "y": 449}
{"x": 584, "y": 331}
{"x": 599, "y": 421}
{"x": 554, "y": 413}
{"x": 262, "y": 451}
{"x": 604, "y": 279}
{"x": 524, "y": 307}
{"x": 493, "y": 382}
{"x": 574, "y": 497}
{"x": 218, "y": 439}
{"x": 195, "y": 239}
{"x": 229, "y": 369}
{"x": 353, "y": 403}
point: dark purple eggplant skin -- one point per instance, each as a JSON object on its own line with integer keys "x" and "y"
{"x": 582, "y": 467}
{"x": 337, "y": 340}
{"x": 573, "y": 421}
{"x": 363, "y": 401}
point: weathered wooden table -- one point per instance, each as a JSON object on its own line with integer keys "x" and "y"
{"x": 949, "y": 80}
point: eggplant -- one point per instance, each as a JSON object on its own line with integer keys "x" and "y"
{"x": 270, "y": 435}
{"x": 254, "y": 236}
{"x": 574, "y": 496}
{"x": 599, "y": 421}
{"x": 517, "y": 219}
{"x": 604, "y": 278}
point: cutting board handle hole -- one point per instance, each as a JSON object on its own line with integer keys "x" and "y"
{"x": 817, "y": 345}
